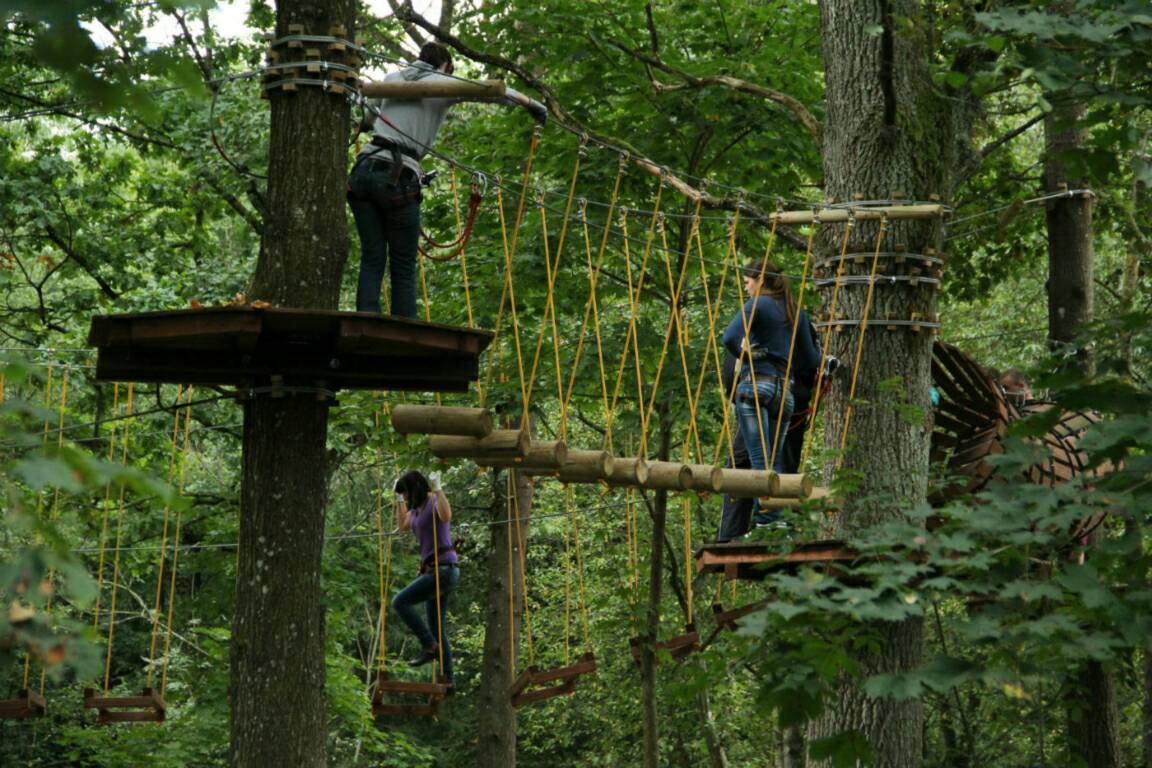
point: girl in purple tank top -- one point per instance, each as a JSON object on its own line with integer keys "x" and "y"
{"x": 426, "y": 512}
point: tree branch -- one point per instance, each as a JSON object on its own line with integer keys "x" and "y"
{"x": 572, "y": 124}
{"x": 81, "y": 261}
{"x": 790, "y": 103}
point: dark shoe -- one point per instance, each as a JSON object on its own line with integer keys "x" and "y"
{"x": 427, "y": 655}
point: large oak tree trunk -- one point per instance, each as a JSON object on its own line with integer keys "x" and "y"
{"x": 495, "y": 717}
{"x": 886, "y": 133}
{"x": 278, "y": 702}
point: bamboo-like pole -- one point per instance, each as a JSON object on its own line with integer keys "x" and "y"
{"x": 436, "y": 89}
{"x": 628, "y": 471}
{"x": 668, "y": 476}
{"x": 441, "y": 420}
{"x": 706, "y": 478}
{"x": 544, "y": 455}
{"x": 586, "y": 467}
{"x": 749, "y": 483}
{"x": 834, "y": 215}
{"x": 500, "y": 444}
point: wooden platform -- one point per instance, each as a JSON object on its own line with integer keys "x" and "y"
{"x": 148, "y": 707}
{"x": 752, "y": 561}
{"x": 295, "y": 347}
{"x": 26, "y": 705}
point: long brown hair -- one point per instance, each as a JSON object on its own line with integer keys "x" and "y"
{"x": 772, "y": 282}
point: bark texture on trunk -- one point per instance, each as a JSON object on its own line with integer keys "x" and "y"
{"x": 278, "y": 704}
{"x": 888, "y": 134}
{"x": 1093, "y": 718}
{"x": 1070, "y": 250}
{"x": 495, "y": 717}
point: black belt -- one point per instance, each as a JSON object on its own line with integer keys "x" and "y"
{"x": 383, "y": 143}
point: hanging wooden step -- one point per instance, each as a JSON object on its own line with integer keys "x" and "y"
{"x": 148, "y": 707}
{"x": 753, "y": 561}
{"x": 677, "y": 647}
{"x": 442, "y": 420}
{"x": 404, "y": 697}
{"x": 726, "y": 619}
{"x": 507, "y": 444}
{"x": 749, "y": 483}
{"x": 542, "y": 457}
{"x": 822, "y": 495}
{"x": 26, "y": 705}
{"x": 586, "y": 467}
{"x": 667, "y": 476}
{"x": 557, "y": 682}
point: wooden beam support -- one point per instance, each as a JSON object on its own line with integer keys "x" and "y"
{"x": 794, "y": 486}
{"x": 436, "y": 89}
{"x": 586, "y": 467}
{"x": 706, "y": 478}
{"x": 442, "y": 420}
{"x": 628, "y": 471}
{"x": 668, "y": 476}
{"x": 542, "y": 457}
{"x": 835, "y": 215}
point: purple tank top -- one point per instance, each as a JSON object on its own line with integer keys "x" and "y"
{"x": 422, "y": 521}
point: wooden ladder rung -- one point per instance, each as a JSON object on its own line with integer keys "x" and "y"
{"x": 522, "y": 691}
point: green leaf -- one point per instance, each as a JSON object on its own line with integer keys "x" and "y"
{"x": 845, "y": 750}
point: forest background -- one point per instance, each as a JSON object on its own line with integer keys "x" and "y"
{"x": 133, "y": 179}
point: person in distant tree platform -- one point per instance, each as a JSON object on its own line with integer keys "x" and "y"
{"x": 424, "y": 509}
{"x": 384, "y": 187}
{"x": 1016, "y": 387}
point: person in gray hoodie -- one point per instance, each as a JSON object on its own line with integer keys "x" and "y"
{"x": 384, "y": 187}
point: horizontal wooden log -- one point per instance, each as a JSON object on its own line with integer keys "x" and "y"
{"x": 779, "y": 502}
{"x": 396, "y": 710}
{"x": 794, "y": 486}
{"x": 543, "y": 456}
{"x": 148, "y": 700}
{"x": 27, "y": 704}
{"x": 107, "y": 717}
{"x": 500, "y": 444}
{"x": 628, "y": 471}
{"x": 834, "y": 215}
{"x": 585, "y": 666}
{"x": 586, "y": 467}
{"x": 706, "y": 478}
{"x": 749, "y": 483}
{"x": 441, "y": 420}
{"x": 667, "y": 476}
{"x": 436, "y": 89}
{"x": 431, "y": 690}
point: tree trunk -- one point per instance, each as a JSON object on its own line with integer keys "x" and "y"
{"x": 1093, "y": 718}
{"x": 793, "y": 752}
{"x": 886, "y": 133}
{"x": 278, "y": 703}
{"x": 1070, "y": 250}
{"x": 496, "y": 719}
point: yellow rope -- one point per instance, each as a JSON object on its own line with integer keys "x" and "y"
{"x": 860, "y": 340}
{"x": 176, "y": 542}
{"x": 107, "y": 507}
{"x": 164, "y": 539}
{"x": 436, "y": 578}
{"x": 816, "y": 392}
{"x": 568, "y": 585}
{"x": 55, "y": 509}
{"x": 795, "y": 331}
{"x": 583, "y": 596}
{"x": 512, "y": 656}
{"x": 523, "y": 570}
{"x": 383, "y": 556}
{"x": 119, "y": 534}
{"x": 686, "y": 502}
{"x": 725, "y": 436}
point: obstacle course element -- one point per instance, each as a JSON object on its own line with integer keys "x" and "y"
{"x": 753, "y": 561}
{"x": 435, "y": 89}
{"x": 556, "y": 682}
{"x": 148, "y": 707}
{"x": 441, "y": 420}
{"x": 271, "y": 348}
{"x": 26, "y": 705}
{"x": 677, "y": 647}
{"x": 326, "y": 61}
{"x": 402, "y": 697}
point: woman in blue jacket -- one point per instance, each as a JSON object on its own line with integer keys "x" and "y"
{"x": 760, "y": 336}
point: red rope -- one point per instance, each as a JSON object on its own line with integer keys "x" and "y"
{"x": 460, "y": 242}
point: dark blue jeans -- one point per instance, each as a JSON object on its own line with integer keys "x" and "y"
{"x": 423, "y": 590}
{"x": 736, "y": 517}
{"x": 387, "y": 213}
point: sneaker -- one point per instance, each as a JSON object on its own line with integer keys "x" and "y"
{"x": 427, "y": 655}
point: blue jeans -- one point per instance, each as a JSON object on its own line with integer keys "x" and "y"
{"x": 387, "y": 213}
{"x": 769, "y": 390}
{"x": 423, "y": 590}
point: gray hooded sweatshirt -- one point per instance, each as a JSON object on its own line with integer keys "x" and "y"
{"x": 417, "y": 121}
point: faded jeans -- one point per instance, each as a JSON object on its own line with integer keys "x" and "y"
{"x": 423, "y": 590}
{"x": 389, "y": 226}
{"x": 768, "y": 391}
